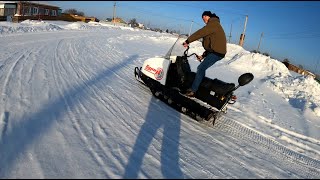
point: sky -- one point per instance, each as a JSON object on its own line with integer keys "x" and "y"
{"x": 290, "y": 29}
{"x": 71, "y": 108}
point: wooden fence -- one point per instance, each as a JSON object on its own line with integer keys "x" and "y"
{"x": 296, "y": 69}
{"x": 63, "y": 17}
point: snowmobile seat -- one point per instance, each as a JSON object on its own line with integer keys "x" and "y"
{"x": 215, "y": 85}
{"x": 186, "y": 77}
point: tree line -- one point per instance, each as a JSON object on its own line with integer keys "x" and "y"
{"x": 74, "y": 12}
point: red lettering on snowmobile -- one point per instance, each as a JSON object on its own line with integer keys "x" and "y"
{"x": 158, "y": 73}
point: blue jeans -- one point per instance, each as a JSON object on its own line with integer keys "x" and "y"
{"x": 201, "y": 70}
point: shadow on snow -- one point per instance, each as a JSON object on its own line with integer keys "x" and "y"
{"x": 36, "y": 124}
{"x": 156, "y": 118}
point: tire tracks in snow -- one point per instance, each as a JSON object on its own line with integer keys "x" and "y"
{"x": 4, "y": 120}
{"x": 99, "y": 95}
{"x": 82, "y": 128}
{"x": 310, "y": 167}
{"x": 75, "y": 121}
{"x": 96, "y": 129}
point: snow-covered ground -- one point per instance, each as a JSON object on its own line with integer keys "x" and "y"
{"x": 71, "y": 108}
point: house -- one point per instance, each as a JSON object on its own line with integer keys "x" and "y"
{"x": 7, "y": 8}
{"x": 22, "y": 10}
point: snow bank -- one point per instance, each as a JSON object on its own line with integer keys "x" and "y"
{"x": 76, "y": 25}
{"x": 300, "y": 91}
{"x": 38, "y": 26}
{"x": 27, "y": 26}
{"x": 234, "y": 50}
{"x": 258, "y": 64}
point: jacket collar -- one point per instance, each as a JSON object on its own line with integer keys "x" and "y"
{"x": 214, "y": 19}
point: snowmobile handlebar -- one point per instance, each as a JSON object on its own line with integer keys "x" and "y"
{"x": 186, "y": 53}
{"x": 193, "y": 54}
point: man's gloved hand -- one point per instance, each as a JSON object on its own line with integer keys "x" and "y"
{"x": 199, "y": 58}
{"x": 185, "y": 44}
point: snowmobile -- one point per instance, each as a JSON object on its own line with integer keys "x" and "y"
{"x": 168, "y": 77}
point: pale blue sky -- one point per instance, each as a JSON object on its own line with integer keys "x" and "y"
{"x": 291, "y": 28}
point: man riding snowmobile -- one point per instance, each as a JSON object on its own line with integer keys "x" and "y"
{"x": 168, "y": 77}
{"x": 214, "y": 43}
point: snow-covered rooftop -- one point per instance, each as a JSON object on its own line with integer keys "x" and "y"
{"x": 37, "y": 2}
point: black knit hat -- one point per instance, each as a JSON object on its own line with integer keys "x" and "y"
{"x": 207, "y": 13}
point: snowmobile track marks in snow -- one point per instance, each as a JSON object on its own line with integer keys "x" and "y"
{"x": 4, "y": 118}
{"x": 273, "y": 148}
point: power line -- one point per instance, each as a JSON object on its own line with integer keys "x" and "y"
{"x": 292, "y": 33}
{"x": 202, "y": 8}
{"x": 237, "y": 19}
{"x": 175, "y": 4}
{"x": 144, "y": 11}
{"x": 155, "y": 14}
{"x": 152, "y": 13}
{"x": 294, "y": 36}
{"x": 286, "y": 5}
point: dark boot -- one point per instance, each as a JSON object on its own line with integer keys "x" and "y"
{"x": 190, "y": 93}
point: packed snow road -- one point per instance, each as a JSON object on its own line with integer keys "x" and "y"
{"x": 71, "y": 108}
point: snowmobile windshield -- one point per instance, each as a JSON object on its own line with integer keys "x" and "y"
{"x": 177, "y": 49}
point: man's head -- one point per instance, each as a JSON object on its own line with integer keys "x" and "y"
{"x": 206, "y": 15}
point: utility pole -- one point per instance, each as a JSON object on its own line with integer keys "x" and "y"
{"x": 243, "y": 33}
{"x": 230, "y": 33}
{"x": 260, "y": 41}
{"x": 190, "y": 28}
{"x": 114, "y": 13}
{"x": 38, "y": 11}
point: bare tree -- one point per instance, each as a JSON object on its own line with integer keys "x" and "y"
{"x": 286, "y": 60}
{"x": 133, "y": 22}
{"x": 74, "y": 12}
{"x": 266, "y": 54}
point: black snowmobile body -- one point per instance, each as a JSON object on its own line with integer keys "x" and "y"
{"x": 211, "y": 99}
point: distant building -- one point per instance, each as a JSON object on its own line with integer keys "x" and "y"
{"x": 22, "y": 10}
{"x": 116, "y": 22}
{"x": 7, "y": 8}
